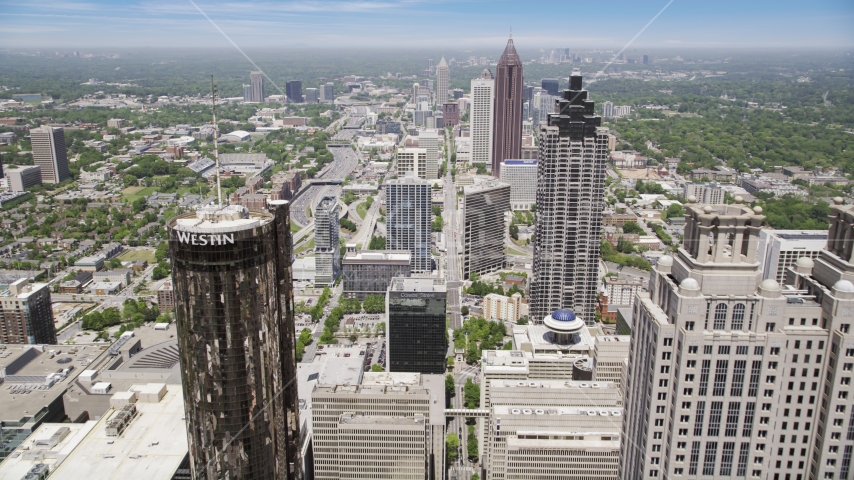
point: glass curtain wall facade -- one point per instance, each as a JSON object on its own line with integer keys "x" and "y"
{"x": 416, "y": 325}
{"x": 234, "y": 306}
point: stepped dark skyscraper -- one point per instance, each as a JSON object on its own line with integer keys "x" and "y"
{"x": 234, "y": 307}
{"x": 507, "y": 136}
{"x": 570, "y": 190}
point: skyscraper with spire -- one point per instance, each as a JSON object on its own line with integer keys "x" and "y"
{"x": 507, "y": 136}
{"x": 443, "y": 75}
{"x": 570, "y": 191}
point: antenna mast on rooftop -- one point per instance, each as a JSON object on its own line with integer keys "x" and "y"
{"x": 216, "y": 142}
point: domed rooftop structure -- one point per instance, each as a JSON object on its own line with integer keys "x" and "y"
{"x": 563, "y": 324}
{"x": 770, "y": 284}
{"x": 665, "y": 261}
{"x": 844, "y": 286}
{"x": 805, "y": 262}
{"x": 689, "y": 284}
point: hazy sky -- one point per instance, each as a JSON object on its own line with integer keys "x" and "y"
{"x": 431, "y": 23}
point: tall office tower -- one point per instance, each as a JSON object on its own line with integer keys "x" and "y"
{"x": 431, "y": 63}
{"x": 408, "y": 219}
{"x": 293, "y": 90}
{"x": 231, "y": 275}
{"x": 256, "y": 83}
{"x": 412, "y": 160}
{"x": 608, "y": 109}
{"x": 828, "y": 278}
{"x": 481, "y": 118}
{"x": 429, "y": 140}
{"x": 732, "y": 376}
{"x": 389, "y": 426}
{"x": 49, "y": 153}
{"x": 507, "y": 139}
{"x": 416, "y": 91}
{"x": 247, "y": 93}
{"x": 484, "y": 206}
{"x": 527, "y": 93}
{"x": 521, "y": 175}
{"x": 646, "y": 59}
{"x": 570, "y": 190}
{"x": 26, "y": 316}
{"x": 442, "y": 82}
{"x": 780, "y": 249}
{"x": 327, "y": 246}
{"x": 327, "y": 92}
{"x": 416, "y": 325}
{"x": 550, "y": 85}
{"x": 544, "y": 104}
{"x": 708, "y": 194}
{"x": 311, "y": 95}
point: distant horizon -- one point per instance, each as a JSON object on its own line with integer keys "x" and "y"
{"x": 441, "y": 24}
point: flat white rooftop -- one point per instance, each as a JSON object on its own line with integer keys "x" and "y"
{"x": 35, "y": 448}
{"x": 221, "y": 219}
{"x": 150, "y": 448}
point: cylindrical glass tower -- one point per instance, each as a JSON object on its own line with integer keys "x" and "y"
{"x": 231, "y": 272}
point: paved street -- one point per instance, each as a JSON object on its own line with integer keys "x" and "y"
{"x": 343, "y": 163}
{"x": 452, "y": 267}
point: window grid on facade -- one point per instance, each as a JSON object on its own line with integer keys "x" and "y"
{"x": 720, "y": 316}
{"x": 726, "y": 459}
{"x": 698, "y": 418}
{"x": 695, "y": 458}
{"x": 709, "y": 458}
{"x": 755, "y": 370}
{"x": 738, "y": 378}
{"x": 743, "y": 454}
{"x": 732, "y": 419}
{"x": 721, "y": 370}
{"x": 747, "y": 429}
{"x": 715, "y": 413}
{"x": 738, "y": 316}
{"x": 704, "y": 377}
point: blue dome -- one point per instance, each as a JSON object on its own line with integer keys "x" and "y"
{"x": 563, "y": 315}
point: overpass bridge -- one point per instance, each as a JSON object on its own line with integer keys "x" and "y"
{"x": 466, "y": 412}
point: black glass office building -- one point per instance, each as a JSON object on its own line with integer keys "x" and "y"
{"x": 234, "y": 307}
{"x": 416, "y": 325}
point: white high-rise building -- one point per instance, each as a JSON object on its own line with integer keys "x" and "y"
{"x": 481, "y": 118}
{"x": 412, "y": 160}
{"x": 705, "y": 193}
{"x": 732, "y": 376}
{"x": 570, "y": 194}
{"x": 780, "y": 249}
{"x": 443, "y": 74}
{"x": 391, "y": 426}
{"x": 608, "y": 109}
{"x": 500, "y": 307}
{"x": 408, "y": 219}
{"x": 327, "y": 245}
{"x": 429, "y": 140}
{"x": 521, "y": 175}
{"x": 544, "y": 104}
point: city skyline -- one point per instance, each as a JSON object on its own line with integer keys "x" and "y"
{"x": 307, "y": 23}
